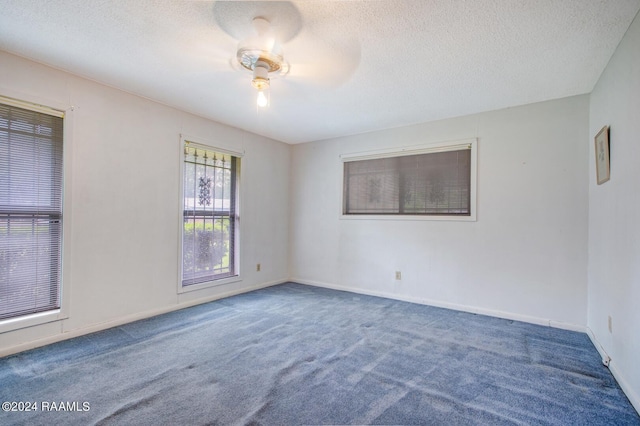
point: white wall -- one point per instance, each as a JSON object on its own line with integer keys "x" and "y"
{"x": 122, "y": 219}
{"x": 614, "y": 218}
{"x": 527, "y": 257}
{"x": 524, "y": 258}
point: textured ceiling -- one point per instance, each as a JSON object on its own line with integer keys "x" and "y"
{"x": 356, "y": 66}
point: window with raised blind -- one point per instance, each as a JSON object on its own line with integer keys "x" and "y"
{"x": 426, "y": 183}
{"x": 30, "y": 211}
{"x": 209, "y": 227}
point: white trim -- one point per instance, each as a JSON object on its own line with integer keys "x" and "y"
{"x": 402, "y": 217}
{"x": 473, "y": 202}
{"x": 26, "y": 321}
{"x": 447, "y": 305}
{"x": 631, "y": 393}
{"x": 205, "y": 144}
{"x": 603, "y": 354}
{"x": 128, "y": 319}
{"x": 32, "y": 106}
{"x": 66, "y": 281}
{"x": 67, "y": 115}
{"x": 207, "y": 284}
{"x": 410, "y": 150}
{"x": 471, "y": 143}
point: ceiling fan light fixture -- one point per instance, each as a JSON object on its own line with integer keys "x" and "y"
{"x": 262, "y": 55}
{"x": 262, "y": 99}
{"x": 260, "y": 75}
{"x": 261, "y": 82}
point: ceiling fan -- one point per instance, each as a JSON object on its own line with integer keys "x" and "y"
{"x": 263, "y": 55}
{"x": 266, "y": 30}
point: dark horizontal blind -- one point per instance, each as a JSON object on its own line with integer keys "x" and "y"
{"x": 437, "y": 183}
{"x": 30, "y": 211}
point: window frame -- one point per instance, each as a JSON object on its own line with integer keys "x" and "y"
{"x": 221, "y": 148}
{"x": 415, "y": 150}
{"x": 51, "y": 107}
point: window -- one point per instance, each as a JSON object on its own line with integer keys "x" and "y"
{"x": 209, "y": 214}
{"x": 30, "y": 209}
{"x": 426, "y": 181}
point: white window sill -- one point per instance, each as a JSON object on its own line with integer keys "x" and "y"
{"x": 471, "y": 218}
{"x": 31, "y": 320}
{"x": 215, "y": 283}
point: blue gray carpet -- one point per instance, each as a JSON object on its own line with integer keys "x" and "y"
{"x": 294, "y": 354}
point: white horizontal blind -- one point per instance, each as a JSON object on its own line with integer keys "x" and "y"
{"x": 209, "y": 215}
{"x": 436, "y": 183}
{"x": 30, "y": 211}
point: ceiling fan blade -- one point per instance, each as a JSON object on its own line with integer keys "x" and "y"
{"x": 320, "y": 61}
{"x": 315, "y": 56}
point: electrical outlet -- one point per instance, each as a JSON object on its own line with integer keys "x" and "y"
{"x": 398, "y": 275}
{"x": 609, "y": 323}
{"x": 258, "y": 267}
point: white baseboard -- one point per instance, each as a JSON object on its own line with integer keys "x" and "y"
{"x": 127, "y": 319}
{"x": 606, "y": 359}
{"x": 631, "y": 393}
{"x": 626, "y": 388}
{"x": 447, "y": 305}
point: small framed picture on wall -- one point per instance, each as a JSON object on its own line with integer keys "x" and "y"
{"x": 602, "y": 155}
